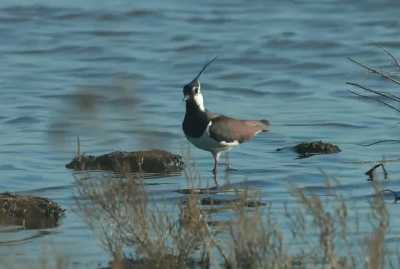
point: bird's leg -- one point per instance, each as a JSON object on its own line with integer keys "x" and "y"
{"x": 216, "y": 158}
{"x": 228, "y": 166}
{"x": 214, "y": 171}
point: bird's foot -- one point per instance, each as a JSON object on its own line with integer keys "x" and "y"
{"x": 214, "y": 171}
{"x": 230, "y": 169}
{"x": 215, "y": 189}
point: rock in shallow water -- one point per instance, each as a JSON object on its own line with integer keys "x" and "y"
{"x": 307, "y": 149}
{"x": 149, "y": 161}
{"x": 316, "y": 147}
{"x": 221, "y": 201}
{"x": 31, "y": 212}
{"x": 166, "y": 260}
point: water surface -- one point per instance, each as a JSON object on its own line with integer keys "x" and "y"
{"x": 113, "y": 72}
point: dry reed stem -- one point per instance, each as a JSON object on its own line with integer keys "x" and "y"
{"x": 120, "y": 212}
{"x": 126, "y": 220}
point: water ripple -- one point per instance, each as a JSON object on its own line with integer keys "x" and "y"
{"x": 109, "y": 72}
{"x": 23, "y": 120}
{"x": 90, "y": 50}
{"x": 328, "y": 124}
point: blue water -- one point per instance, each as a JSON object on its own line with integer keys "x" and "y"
{"x": 113, "y": 72}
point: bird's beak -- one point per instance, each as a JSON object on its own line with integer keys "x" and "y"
{"x": 188, "y": 96}
{"x": 204, "y": 67}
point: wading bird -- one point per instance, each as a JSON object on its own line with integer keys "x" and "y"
{"x": 214, "y": 132}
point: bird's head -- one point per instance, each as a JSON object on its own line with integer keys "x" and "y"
{"x": 192, "y": 90}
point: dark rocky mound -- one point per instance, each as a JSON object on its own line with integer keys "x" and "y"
{"x": 308, "y": 149}
{"x": 30, "y": 212}
{"x": 222, "y": 201}
{"x": 167, "y": 261}
{"x": 150, "y": 161}
{"x": 316, "y": 147}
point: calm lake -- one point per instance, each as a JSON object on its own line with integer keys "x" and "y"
{"x": 112, "y": 73}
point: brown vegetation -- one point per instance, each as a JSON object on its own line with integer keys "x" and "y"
{"x": 121, "y": 214}
{"x": 308, "y": 149}
{"x": 150, "y": 161}
{"x": 317, "y": 147}
{"x": 30, "y": 212}
{"x": 313, "y": 233}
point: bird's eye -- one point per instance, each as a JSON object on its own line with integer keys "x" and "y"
{"x": 196, "y": 89}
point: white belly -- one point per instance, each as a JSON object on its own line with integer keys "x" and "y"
{"x": 205, "y": 142}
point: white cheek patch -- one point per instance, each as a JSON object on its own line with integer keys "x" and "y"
{"x": 198, "y": 98}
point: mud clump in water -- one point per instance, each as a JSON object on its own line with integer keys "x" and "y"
{"x": 150, "y": 161}
{"x": 220, "y": 201}
{"x": 167, "y": 261}
{"x": 31, "y": 212}
{"x": 307, "y": 149}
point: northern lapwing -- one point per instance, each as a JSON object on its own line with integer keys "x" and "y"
{"x": 214, "y": 132}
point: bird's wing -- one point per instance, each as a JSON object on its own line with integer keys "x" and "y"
{"x": 231, "y": 130}
{"x": 212, "y": 115}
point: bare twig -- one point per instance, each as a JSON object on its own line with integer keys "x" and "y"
{"x": 396, "y": 194}
{"x": 375, "y": 71}
{"x": 377, "y": 100}
{"x": 371, "y": 172}
{"x": 383, "y": 94}
{"x": 78, "y": 147}
{"x": 394, "y": 59}
{"x": 380, "y": 141}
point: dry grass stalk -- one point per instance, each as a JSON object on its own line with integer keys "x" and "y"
{"x": 120, "y": 212}
{"x": 336, "y": 229}
{"x": 376, "y": 240}
{"x": 129, "y": 223}
{"x": 256, "y": 242}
